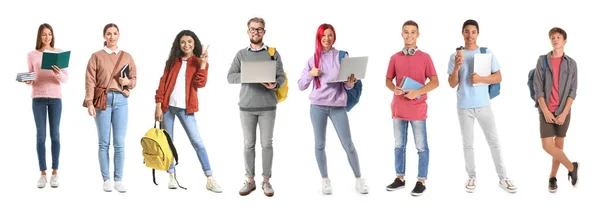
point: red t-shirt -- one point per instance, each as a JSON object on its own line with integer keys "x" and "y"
{"x": 554, "y": 99}
{"x": 418, "y": 67}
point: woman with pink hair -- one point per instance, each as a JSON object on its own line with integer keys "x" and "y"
{"x": 328, "y": 100}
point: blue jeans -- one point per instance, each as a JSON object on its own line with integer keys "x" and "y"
{"x": 420, "y": 134}
{"x": 51, "y": 107}
{"x": 188, "y": 121}
{"x": 115, "y": 116}
{"x": 339, "y": 117}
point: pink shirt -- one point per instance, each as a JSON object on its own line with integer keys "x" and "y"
{"x": 554, "y": 100}
{"x": 47, "y": 83}
{"x": 418, "y": 67}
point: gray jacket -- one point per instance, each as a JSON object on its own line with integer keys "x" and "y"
{"x": 567, "y": 86}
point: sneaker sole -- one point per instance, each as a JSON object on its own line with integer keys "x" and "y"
{"x": 269, "y": 194}
{"x": 54, "y": 186}
{"x": 393, "y": 189}
{"x": 246, "y": 193}
{"x": 216, "y": 191}
{"x": 552, "y": 191}
{"x": 416, "y": 194}
{"x": 470, "y": 190}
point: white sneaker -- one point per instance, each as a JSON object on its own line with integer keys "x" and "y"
{"x": 326, "y": 186}
{"x": 172, "y": 182}
{"x": 107, "y": 186}
{"x": 120, "y": 187}
{"x": 41, "y": 183}
{"x": 54, "y": 181}
{"x": 361, "y": 186}
{"x": 507, "y": 185}
{"x": 212, "y": 185}
{"x": 470, "y": 185}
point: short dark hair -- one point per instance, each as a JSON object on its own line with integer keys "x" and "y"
{"x": 471, "y": 22}
{"x": 557, "y": 30}
{"x": 411, "y": 22}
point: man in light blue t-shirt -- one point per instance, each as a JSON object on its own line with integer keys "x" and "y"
{"x": 473, "y": 102}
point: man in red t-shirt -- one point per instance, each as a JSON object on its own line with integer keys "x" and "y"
{"x": 555, "y": 103}
{"x": 409, "y": 103}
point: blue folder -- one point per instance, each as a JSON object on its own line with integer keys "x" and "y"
{"x": 410, "y": 84}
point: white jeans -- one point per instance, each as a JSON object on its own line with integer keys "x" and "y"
{"x": 487, "y": 122}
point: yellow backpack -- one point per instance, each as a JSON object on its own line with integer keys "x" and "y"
{"x": 283, "y": 89}
{"x": 158, "y": 151}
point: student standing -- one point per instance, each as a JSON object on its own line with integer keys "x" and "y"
{"x": 555, "y": 86}
{"x": 103, "y": 75}
{"x": 46, "y": 96}
{"x": 328, "y": 100}
{"x": 473, "y": 103}
{"x": 258, "y": 106}
{"x": 407, "y": 108}
{"x": 185, "y": 71}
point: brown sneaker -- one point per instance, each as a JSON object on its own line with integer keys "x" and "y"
{"x": 247, "y": 188}
{"x": 268, "y": 189}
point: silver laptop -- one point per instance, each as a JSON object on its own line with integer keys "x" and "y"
{"x": 352, "y": 65}
{"x": 258, "y": 71}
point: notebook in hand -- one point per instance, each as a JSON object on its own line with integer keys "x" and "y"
{"x": 60, "y": 59}
{"x": 482, "y": 66}
{"x": 125, "y": 73}
{"x": 410, "y": 84}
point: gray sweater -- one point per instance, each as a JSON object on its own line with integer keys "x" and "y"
{"x": 567, "y": 86}
{"x": 255, "y": 96}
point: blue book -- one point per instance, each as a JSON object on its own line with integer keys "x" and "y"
{"x": 410, "y": 84}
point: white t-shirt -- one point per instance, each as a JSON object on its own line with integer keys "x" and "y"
{"x": 177, "y": 98}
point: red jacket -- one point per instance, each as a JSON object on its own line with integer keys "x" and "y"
{"x": 194, "y": 78}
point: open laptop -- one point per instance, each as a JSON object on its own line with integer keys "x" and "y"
{"x": 258, "y": 71}
{"x": 352, "y": 65}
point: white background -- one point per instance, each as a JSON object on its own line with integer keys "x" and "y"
{"x": 517, "y": 32}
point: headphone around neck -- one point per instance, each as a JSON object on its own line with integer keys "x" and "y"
{"x": 410, "y": 51}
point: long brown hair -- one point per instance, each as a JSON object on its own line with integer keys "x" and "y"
{"x": 38, "y": 43}
{"x": 106, "y": 27}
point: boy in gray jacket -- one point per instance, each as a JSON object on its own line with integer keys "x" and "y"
{"x": 555, "y": 86}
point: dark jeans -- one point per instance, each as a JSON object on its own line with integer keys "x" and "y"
{"x": 52, "y": 108}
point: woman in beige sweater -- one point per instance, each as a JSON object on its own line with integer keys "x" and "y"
{"x": 103, "y": 75}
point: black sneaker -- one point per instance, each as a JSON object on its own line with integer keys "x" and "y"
{"x": 552, "y": 186}
{"x": 418, "y": 190}
{"x": 573, "y": 174}
{"x": 397, "y": 184}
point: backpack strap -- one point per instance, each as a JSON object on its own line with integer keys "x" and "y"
{"x": 342, "y": 55}
{"x": 271, "y": 52}
{"x": 172, "y": 146}
{"x": 154, "y": 176}
{"x": 483, "y": 50}
{"x": 175, "y": 177}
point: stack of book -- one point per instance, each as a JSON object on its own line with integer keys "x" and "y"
{"x": 26, "y": 76}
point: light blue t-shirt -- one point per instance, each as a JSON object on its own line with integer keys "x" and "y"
{"x": 467, "y": 95}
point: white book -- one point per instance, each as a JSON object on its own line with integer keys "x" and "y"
{"x": 482, "y": 66}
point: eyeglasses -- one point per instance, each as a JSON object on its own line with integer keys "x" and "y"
{"x": 260, "y": 30}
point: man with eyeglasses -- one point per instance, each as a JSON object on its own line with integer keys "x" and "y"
{"x": 258, "y": 103}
